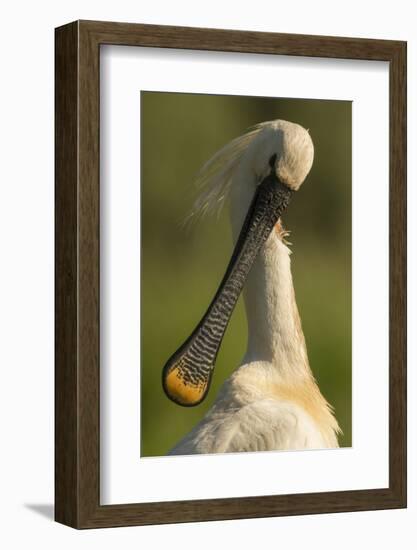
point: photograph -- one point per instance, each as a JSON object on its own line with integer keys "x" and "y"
{"x": 209, "y": 248}
{"x": 246, "y": 285}
{"x": 230, "y": 274}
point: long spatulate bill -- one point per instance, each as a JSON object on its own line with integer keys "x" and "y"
{"x": 187, "y": 374}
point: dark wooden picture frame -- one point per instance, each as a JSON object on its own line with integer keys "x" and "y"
{"x": 77, "y": 370}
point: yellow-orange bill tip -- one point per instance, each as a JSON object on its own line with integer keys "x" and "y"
{"x": 183, "y": 392}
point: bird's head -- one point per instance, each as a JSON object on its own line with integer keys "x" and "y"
{"x": 284, "y": 148}
{"x": 263, "y": 168}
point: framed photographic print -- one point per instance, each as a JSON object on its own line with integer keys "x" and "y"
{"x": 230, "y": 274}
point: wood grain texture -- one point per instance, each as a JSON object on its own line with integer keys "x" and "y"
{"x": 66, "y": 237}
{"x": 77, "y": 403}
{"x": 398, "y": 274}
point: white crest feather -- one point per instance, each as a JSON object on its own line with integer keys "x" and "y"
{"x": 215, "y": 176}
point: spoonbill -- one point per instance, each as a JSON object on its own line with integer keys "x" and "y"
{"x": 272, "y": 400}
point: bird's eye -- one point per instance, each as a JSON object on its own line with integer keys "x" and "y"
{"x": 272, "y": 160}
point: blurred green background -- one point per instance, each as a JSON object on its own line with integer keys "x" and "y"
{"x": 182, "y": 267}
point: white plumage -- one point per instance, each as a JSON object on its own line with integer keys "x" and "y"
{"x": 271, "y": 401}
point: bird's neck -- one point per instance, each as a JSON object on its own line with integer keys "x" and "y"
{"x": 274, "y": 329}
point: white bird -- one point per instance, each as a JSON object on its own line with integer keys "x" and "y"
{"x": 272, "y": 400}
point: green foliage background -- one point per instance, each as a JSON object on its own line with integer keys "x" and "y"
{"x": 181, "y": 267}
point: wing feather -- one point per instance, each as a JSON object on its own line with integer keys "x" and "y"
{"x": 263, "y": 425}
